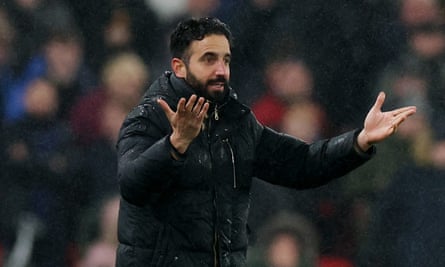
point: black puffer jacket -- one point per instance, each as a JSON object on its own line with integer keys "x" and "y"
{"x": 193, "y": 211}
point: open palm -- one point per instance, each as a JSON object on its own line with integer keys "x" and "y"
{"x": 380, "y": 125}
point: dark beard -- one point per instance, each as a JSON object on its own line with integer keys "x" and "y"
{"x": 201, "y": 89}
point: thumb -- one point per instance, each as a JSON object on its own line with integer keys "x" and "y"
{"x": 379, "y": 101}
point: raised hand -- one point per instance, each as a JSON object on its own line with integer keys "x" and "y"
{"x": 187, "y": 121}
{"x": 380, "y": 125}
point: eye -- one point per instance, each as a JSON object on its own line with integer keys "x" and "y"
{"x": 209, "y": 58}
{"x": 227, "y": 60}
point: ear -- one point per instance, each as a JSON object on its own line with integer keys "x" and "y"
{"x": 178, "y": 67}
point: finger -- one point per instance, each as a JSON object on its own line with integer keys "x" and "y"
{"x": 199, "y": 104}
{"x": 402, "y": 110}
{"x": 167, "y": 110}
{"x": 394, "y": 129}
{"x": 379, "y": 101}
{"x": 402, "y": 117}
{"x": 181, "y": 105}
{"x": 396, "y": 124}
{"x": 406, "y": 112}
{"x": 203, "y": 112}
{"x": 191, "y": 102}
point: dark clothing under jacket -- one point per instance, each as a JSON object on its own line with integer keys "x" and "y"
{"x": 193, "y": 211}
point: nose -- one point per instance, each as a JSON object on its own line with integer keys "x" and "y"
{"x": 221, "y": 68}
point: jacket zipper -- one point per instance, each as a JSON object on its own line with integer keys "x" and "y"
{"x": 215, "y": 250}
{"x": 215, "y": 112}
{"x": 215, "y": 232}
{"x": 233, "y": 161}
{"x": 216, "y": 116}
{"x": 232, "y": 154}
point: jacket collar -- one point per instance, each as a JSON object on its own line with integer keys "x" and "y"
{"x": 229, "y": 106}
{"x": 180, "y": 86}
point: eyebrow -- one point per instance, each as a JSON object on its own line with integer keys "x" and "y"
{"x": 215, "y": 54}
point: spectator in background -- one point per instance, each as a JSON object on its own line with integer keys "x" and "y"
{"x": 133, "y": 27}
{"x": 287, "y": 81}
{"x": 7, "y": 56}
{"x": 167, "y": 11}
{"x": 390, "y": 185}
{"x": 412, "y": 142}
{"x": 288, "y": 106}
{"x": 202, "y": 8}
{"x": 305, "y": 119}
{"x": 95, "y": 120}
{"x": 118, "y": 26}
{"x": 98, "y": 234}
{"x": 406, "y": 229}
{"x": 61, "y": 62}
{"x": 288, "y": 239}
{"x": 99, "y": 255}
{"x": 172, "y": 11}
{"x": 33, "y": 19}
{"x": 415, "y": 76}
{"x": 253, "y": 23}
{"x": 344, "y": 42}
{"x": 37, "y": 172}
{"x": 414, "y": 13}
{"x": 117, "y": 35}
{"x": 413, "y": 86}
{"x": 423, "y": 53}
{"x": 123, "y": 77}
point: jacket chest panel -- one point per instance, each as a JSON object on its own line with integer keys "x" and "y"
{"x": 220, "y": 157}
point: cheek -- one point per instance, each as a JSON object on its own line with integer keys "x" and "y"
{"x": 200, "y": 73}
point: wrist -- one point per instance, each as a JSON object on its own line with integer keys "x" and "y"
{"x": 178, "y": 144}
{"x": 363, "y": 141}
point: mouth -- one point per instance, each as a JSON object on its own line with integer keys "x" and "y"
{"x": 216, "y": 86}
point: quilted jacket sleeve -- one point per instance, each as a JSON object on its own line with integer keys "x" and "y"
{"x": 145, "y": 163}
{"x": 284, "y": 160}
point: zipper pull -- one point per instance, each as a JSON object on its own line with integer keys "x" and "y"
{"x": 216, "y": 113}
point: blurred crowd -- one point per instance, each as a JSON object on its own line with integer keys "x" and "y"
{"x": 70, "y": 71}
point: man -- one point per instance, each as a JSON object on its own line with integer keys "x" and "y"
{"x": 188, "y": 152}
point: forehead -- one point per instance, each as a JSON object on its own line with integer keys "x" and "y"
{"x": 213, "y": 43}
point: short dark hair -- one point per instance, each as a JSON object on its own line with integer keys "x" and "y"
{"x": 196, "y": 29}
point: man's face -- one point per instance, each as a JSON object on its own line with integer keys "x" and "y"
{"x": 208, "y": 66}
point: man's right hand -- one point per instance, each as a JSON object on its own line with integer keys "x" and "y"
{"x": 187, "y": 121}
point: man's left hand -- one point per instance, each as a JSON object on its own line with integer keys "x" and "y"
{"x": 380, "y": 125}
